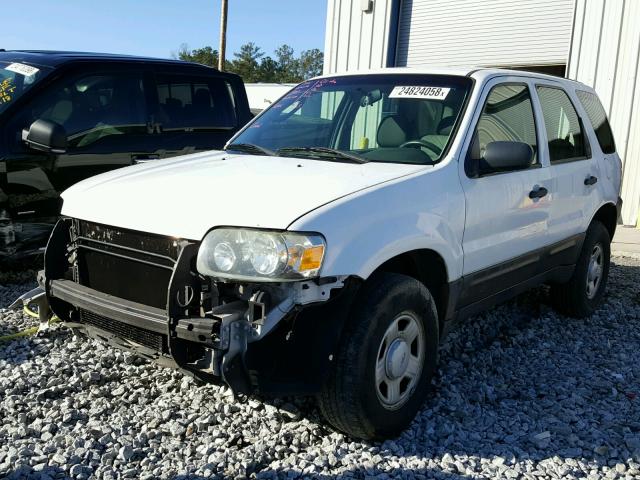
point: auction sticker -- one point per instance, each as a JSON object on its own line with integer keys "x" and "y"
{"x": 22, "y": 69}
{"x": 431, "y": 93}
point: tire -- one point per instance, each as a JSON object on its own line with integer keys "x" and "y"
{"x": 352, "y": 400}
{"x": 577, "y": 298}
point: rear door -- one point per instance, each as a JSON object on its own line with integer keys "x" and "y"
{"x": 192, "y": 111}
{"x": 602, "y": 137}
{"x": 574, "y": 173}
{"x": 103, "y": 110}
{"x": 504, "y": 225}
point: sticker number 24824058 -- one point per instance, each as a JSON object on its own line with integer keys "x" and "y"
{"x": 432, "y": 93}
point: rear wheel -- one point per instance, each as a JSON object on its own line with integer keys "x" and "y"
{"x": 583, "y": 293}
{"x": 386, "y": 359}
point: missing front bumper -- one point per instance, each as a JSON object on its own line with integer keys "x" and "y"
{"x": 212, "y": 348}
{"x": 220, "y": 334}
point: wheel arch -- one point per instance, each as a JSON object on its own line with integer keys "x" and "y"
{"x": 428, "y": 267}
{"x": 607, "y": 214}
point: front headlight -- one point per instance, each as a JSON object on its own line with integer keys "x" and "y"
{"x": 257, "y": 255}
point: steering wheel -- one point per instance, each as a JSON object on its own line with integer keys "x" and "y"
{"x": 422, "y": 143}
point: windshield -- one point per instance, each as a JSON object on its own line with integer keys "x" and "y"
{"x": 382, "y": 117}
{"x": 15, "y": 79}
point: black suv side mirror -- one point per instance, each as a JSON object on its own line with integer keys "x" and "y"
{"x": 505, "y": 156}
{"x": 46, "y": 136}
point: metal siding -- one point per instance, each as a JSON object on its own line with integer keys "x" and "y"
{"x": 592, "y": 25}
{"x": 355, "y": 39}
{"x": 605, "y": 53}
{"x": 484, "y": 32}
{"x": 329, "y": 38}
{"x": 576, "y": 38}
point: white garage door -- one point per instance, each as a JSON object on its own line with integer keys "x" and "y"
{"x": 484, "y": 32}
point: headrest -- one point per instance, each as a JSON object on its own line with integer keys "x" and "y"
{"x": 173, "y": 102}
{"x": 390, "y": 132}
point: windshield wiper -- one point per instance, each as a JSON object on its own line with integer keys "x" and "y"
{"x": 250, "y": 148}
{"x": 335, "y": 155}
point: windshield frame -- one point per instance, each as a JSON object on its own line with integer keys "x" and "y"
{"x": 466, "y": 81}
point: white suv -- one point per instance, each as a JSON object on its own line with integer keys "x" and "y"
{"x": 330, "y": 246}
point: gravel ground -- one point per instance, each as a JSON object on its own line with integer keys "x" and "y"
{"x": 522, "y": 393}
{"x": 12, "y": 285}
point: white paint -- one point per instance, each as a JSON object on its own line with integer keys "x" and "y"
{"x": 605, "y": 54}
{"x": 186, "y": 196}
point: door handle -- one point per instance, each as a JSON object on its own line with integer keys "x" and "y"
{"x": 538, "y": 192}
{"x": 590, "y": 180}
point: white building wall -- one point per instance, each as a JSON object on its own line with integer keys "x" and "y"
{"x": 605, "y": 52}
{"x": 484, "y": 32}
{"x": 356, "y": 39}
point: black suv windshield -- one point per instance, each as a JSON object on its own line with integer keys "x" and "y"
{"x": 382, "y": 117}
{"x": 16, "y": 79}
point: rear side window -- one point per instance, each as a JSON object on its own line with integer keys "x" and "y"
{"x": 598, "y": 118}
{"x": 564, "y": 132}
{"x": 187, "y": 103}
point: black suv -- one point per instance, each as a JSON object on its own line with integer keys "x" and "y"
{"x": 66, "y": 116}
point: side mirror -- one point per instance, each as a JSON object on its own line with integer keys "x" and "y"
{"x": 505, "y": 156}
{"x": 46, "y": 136}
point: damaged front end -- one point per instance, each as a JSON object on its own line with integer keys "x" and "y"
{"x": 142, "y": 292}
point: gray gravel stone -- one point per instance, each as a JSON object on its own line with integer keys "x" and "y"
{"x": 521, "y": 392}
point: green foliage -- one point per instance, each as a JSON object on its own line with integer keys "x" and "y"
{"x": 287, "y": 64}
{"x": 253, "y": 65}
{"x": 310, "y": 63}
{"x": 247, "y": 62}
{"x": 205, "y": 55}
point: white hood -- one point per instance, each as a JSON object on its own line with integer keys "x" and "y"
{"x": 186, "y": 196}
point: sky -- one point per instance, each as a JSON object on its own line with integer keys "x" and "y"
{"x": 157, "y": 28}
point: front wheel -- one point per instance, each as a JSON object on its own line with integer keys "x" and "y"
{"x": 386, "y": 359}
{"x": 583, "y": 293}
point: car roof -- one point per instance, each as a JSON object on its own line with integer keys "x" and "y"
{"x": 54, "y": 58}
{"x": 478, "y": 73}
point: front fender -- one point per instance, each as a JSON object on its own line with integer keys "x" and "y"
{"x": 366, "y": 229}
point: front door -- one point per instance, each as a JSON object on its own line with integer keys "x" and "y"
{"x": 104, "y": 114}
{"x": 507, "y": 211}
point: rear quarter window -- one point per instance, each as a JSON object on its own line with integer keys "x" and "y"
{"x": 598, "y": 118}
{"x": 194, "y": 102}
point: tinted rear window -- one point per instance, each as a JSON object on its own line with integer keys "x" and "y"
{"x": 187, "y": 102}
{"x": 598, "y": 118}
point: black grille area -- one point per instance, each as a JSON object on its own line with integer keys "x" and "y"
{"x": 124, "y": 263}
{"x": 153, "y": 340}
{"x": 155, "y": 246}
